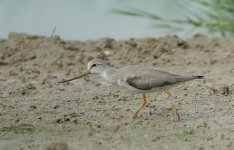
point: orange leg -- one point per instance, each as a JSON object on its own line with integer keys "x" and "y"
{"x": 174, "y": 109}
{"x": 143, "y": 103}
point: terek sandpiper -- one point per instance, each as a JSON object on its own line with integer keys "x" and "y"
{"x": 138, "y": 79}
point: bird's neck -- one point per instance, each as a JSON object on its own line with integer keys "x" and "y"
{"x": 109, "y": 75}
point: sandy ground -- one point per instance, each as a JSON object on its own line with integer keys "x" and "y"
{"x": 38, "y": 113}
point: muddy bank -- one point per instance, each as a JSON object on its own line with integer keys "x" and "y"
{"x": 38, "y": 113}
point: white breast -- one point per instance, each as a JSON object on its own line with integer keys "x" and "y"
{"x": 108, "y": 78}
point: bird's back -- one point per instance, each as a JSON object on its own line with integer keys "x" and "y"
{"x": 146, "y": 78}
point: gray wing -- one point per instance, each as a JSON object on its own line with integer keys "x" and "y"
{"x": 148, "y": 78}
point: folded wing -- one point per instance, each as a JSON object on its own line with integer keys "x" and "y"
{"x": 150, "y": 78}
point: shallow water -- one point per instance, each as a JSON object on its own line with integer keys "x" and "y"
{"x": 82, "y": 20}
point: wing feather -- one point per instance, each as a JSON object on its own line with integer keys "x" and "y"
{"x": 152, "y": 78}
{"x": 147, "y": 84}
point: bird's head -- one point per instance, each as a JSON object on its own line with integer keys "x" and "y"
{"x": 97, "y": 66}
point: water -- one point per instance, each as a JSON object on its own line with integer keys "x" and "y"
{"x": 83, "y": 19}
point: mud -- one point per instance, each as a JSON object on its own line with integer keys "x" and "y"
{"x": 36, "y": 112}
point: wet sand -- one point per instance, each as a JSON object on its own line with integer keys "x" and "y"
{"x": 36, "y": 112}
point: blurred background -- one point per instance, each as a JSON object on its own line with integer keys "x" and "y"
{"x": 119, "y": 19}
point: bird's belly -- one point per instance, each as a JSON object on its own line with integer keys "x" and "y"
{"x": 106, "y": 83}
{"x": 132, "y": 89}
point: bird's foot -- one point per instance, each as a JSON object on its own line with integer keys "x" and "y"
{"x": 175, "y": 112}
{"x": 132, "y": 117}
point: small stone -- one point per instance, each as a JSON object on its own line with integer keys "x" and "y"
{"x": 57, "y": 146}
{"x": 32, "y": 107}
{"x": 59, "y": 121}
{"x": 56, "y": 106}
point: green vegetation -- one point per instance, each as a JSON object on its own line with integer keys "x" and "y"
{"x": 29, "y": 129}
{"x": 22, "y": 128}
{"x": 217, "y": 16}
{"x": 185, "y": 135}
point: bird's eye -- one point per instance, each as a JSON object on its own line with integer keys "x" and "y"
{"x": 93, "y": 65}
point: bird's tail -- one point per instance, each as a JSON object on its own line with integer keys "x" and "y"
{"x": 188, "y": 78}
{"x": 198, "y": 77}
